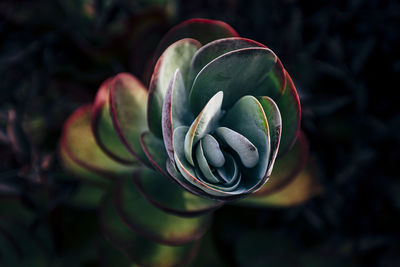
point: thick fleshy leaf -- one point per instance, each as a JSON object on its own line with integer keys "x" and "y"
{"x": 286, "y": 168}
{"x": 203, "y": 165}
{"x": 176, "y": 111}
{"x": 230, "y": 171}
{"x": 169, "y": 197}
{"x": 182, "y": 181}
{"x": 212, "y": 151}
{"x": 246, "y": 151}
{"x": 176, "y": 56}
{"x": 138, "y": 249}
{"x": 203, "y": 30}
{"x": 303, "y": 187}
{"x": 204, "y": 123}
{"x": 237, "y": 73}
{"x": 103, "y": 128}
{"x": 247, "y": 117}
{"x": 214, "y": 49}
{"x": 189, "y": 172}
{"x": 128, "y": 112}
{"x": 289, "y": 107}
{"x": 83, "y": 172}
{"x": 78, "y": 148}
{"x": 155, "y": 151}
{"x": 153, "y": 223}
{"x": 274, "y": 119}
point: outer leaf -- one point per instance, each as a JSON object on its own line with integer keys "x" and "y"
{"x": 155, "y": 151}
{"x": 150, "y": 222}
{"x": 289, "y": 107}
{"x": 176, "y": 56}
{"x": 214, "y": 49}
{"x": 237, "y": 73}
{"x": 128, "y": 112}
{"x": 176, "y": 111}
{"x": 79, "y": 149}
{"x": 138, "y": 249}
{"x": 273, "y": 115}
{"x": 86, "y": 173}
{"x": 203, "y": 30}
{"x": 169, "y": 197}
{"x": 103, "y": 129}
{"x": 286, "y": 168}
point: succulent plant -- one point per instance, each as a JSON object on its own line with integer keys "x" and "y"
{"x": 219, "y": 111}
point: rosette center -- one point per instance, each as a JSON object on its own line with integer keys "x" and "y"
{"x": 218, "y": 153}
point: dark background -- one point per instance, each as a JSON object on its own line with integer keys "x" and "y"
{"x": 343, "y": 56}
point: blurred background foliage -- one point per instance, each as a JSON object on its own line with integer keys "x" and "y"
{"x": 343, "y": 57}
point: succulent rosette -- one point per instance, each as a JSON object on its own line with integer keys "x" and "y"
{"x": 219, "y": 113}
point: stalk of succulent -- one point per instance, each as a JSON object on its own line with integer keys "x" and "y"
{"x": 219, "y": 110}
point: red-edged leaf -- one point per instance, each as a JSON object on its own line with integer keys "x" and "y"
{"x": 203, "y": 30}
{"x": 128, "y": 98}
{"x": 81, "y": 155}
{"x": 103, "y": 129}
{"x": 170, "y": 197}
{"x": 138, "y": 249}
{"x": 153, "y": 223}
{"x": 289, "y": 106}
{"x": 176, "y": 56}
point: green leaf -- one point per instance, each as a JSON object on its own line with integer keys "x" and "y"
{"x": 103, "y": 128}
{"x": 203, "y": 165}
{"x": 138, "y": 249}
{"x": 176, "y": 56}
{"x": 85, "y": 173}
{"x": 274, "y": 119}
{"x": 170, "y": 197}
{"x": 152, "y": 222}
{"x": 203, "y": 30}
{"x": 237, "y": 73}
{"x": 247, "y": 117}
{"x": 128, "y": 112}
{"x": 182, "y": 181}
{"x": 176, "y": 111}
{"x": 205, "y": 123}
{"x": 289, "y": 107}
{"x": 214, "y": 49}
{"x": 80, "y": 153}
{"x": 155, "y": 151}
{"x": 212, "y": 151}
{"x": 246, "y": 151}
